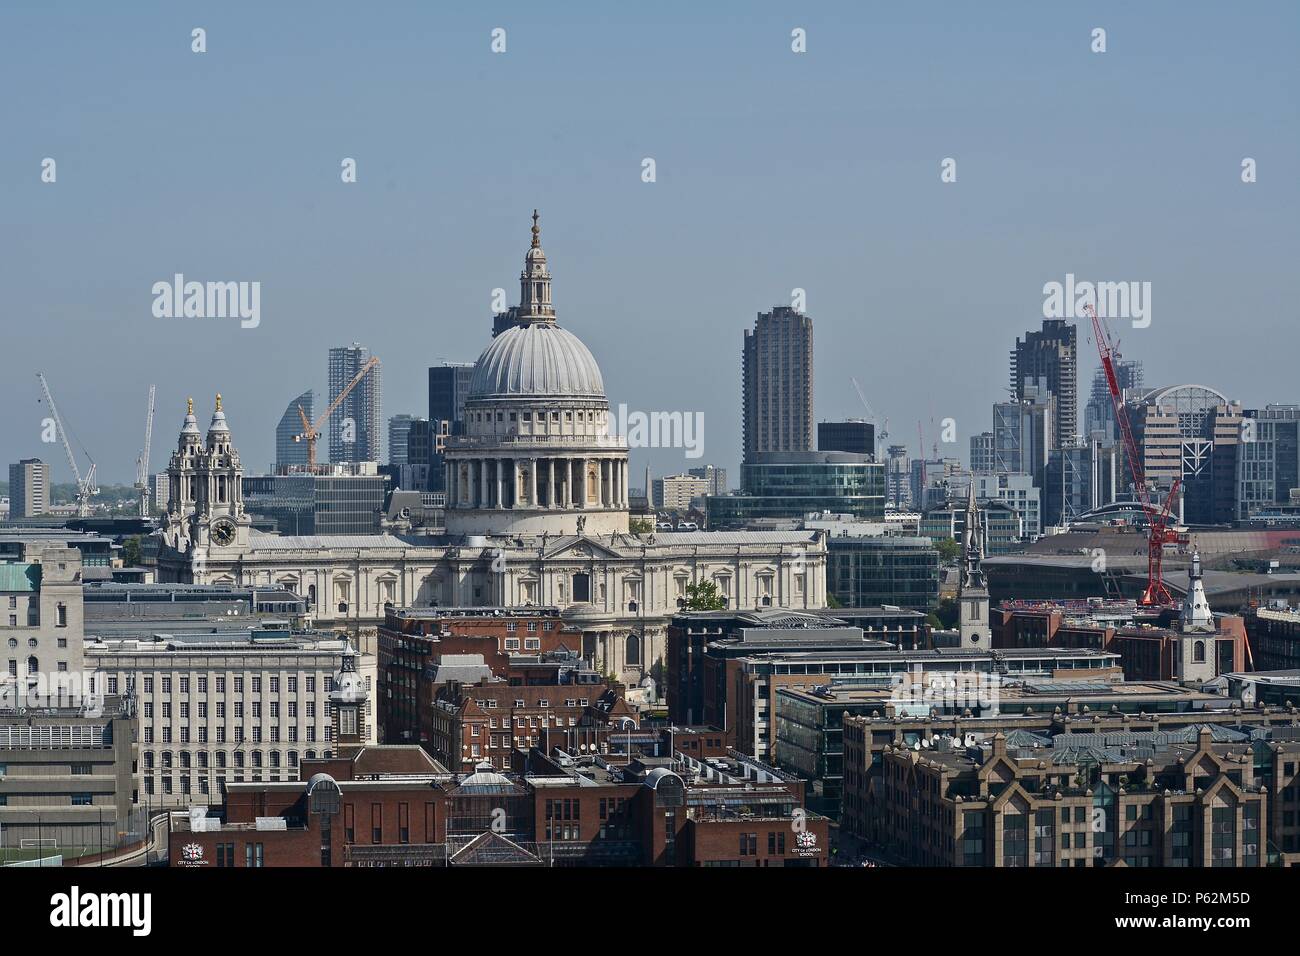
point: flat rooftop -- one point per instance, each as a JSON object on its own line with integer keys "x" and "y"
{"x": 1016, "y": 691}
{"x": 438, "y": 613}
{"x": 873, "y": 652}
{"x": 241, "y": 639}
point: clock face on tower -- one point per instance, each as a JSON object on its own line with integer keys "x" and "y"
{"x": 223, "y": 532}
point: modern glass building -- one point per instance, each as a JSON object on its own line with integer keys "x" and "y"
{"x": 852, "y": 435}
{"x": 349, "y": 504}
{"x": 287, "y": 451}
{"x": 867, "y": 571}
{"x": 1268, "y": 459}
{"x": 355, "y": 429}
{"x": 317, "y": 504}
{"x": 792, "y": 484}
{"x": 810, "y": 742}
{"x": 399, "y": 431}
{"x": 448, "y": 389}
{"x": 1002, "y": 525}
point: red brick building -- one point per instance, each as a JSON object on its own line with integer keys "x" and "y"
{"x": 1148, "y": 640}
{"x": 370, "y": 807}
{"x": 394, "y": 806}
{"x": 484, "y": 722}
{"x": 412, "y": 641}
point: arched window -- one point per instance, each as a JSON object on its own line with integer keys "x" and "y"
{"x": 632, "y": 656}
{"x": 33, "y": 665}
{"x": 1198, "y": 652}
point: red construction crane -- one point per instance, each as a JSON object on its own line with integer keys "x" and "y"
{"x": 1159, "y": 533}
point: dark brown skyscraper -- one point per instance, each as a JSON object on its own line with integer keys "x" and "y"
{"x": 778, "y": 383}
{"x": 1051, "y": 355}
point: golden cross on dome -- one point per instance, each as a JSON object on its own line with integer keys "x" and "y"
{"x": 218, "y": 401}
{"x": 536, "y": 232}
{"x": 189, "y": 406}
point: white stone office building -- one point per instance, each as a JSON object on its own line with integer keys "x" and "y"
{"x": 238, "y": 705}
{"x": 41, "y": 627}
{"x": 676, "y": 492}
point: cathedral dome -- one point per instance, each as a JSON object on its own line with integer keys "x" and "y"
{"x": 537, "y": 360}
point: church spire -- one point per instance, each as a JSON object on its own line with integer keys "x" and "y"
{"x": 974, "y": 535}
{"x": 972, "y": 592}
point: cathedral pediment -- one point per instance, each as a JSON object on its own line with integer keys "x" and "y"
{"x": 574, "y": 546}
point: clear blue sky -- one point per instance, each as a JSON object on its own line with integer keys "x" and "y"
{"x": 775, "y": 171}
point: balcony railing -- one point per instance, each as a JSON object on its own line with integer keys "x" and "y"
{"x": 470, "y": 442}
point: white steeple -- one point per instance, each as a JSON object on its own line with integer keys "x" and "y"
{"x": 1196, "y": 615}
{"x": 973, "y": 593}
{"x": 973, "y": 539}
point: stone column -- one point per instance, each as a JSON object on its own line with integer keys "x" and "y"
{"x": 532, "y": 482}
{"x": 550, "y": 482}
{"x": 483, "y": 483}
{"x": 581, "y": 486}
{"x": 600, "y": 482}
{"x": 501, "y": 502}
{"x": 513, "y": 497}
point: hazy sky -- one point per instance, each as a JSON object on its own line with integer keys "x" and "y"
{"x": 775, "y": 170}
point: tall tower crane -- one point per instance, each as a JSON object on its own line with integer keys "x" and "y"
{"x": 86, "y": 487}
{"x": 311, "y": 430}
{"x": 1159, "y": 533}
{"x": 142, "y": 463}
{"x": 883, "y": 433}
